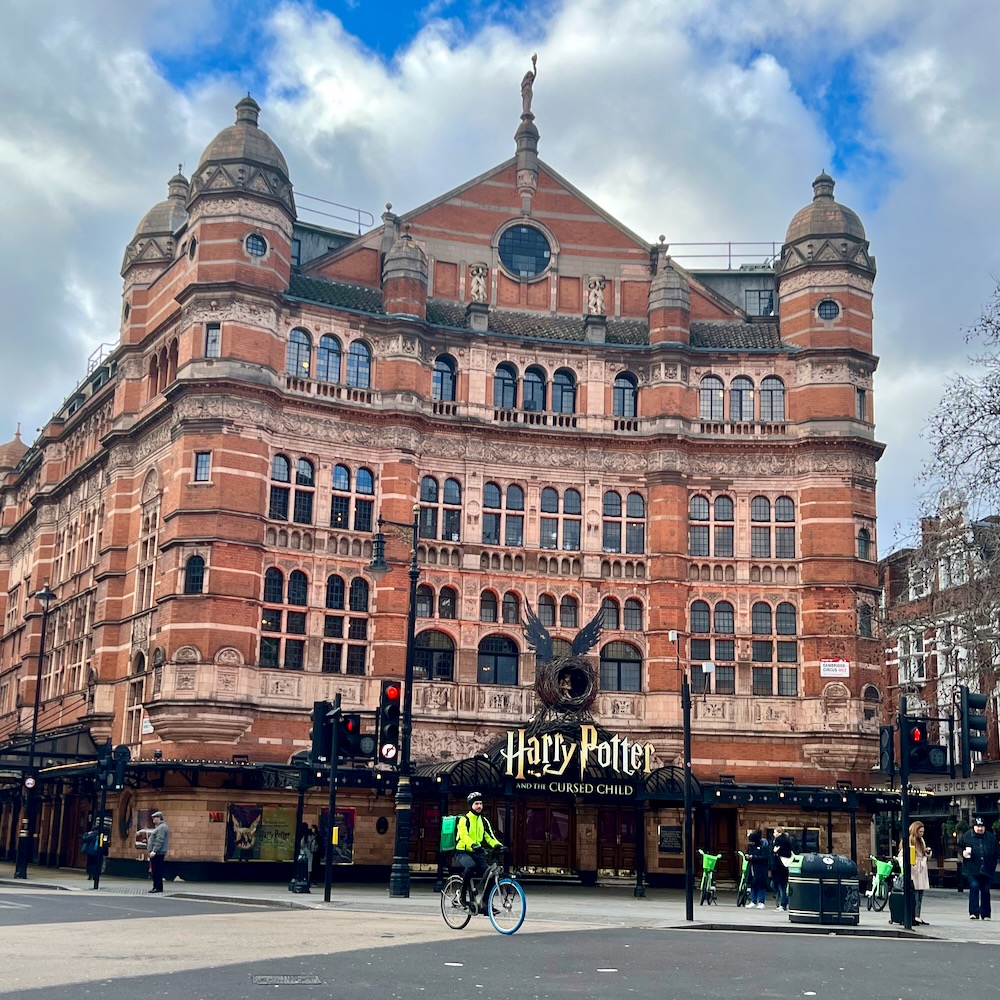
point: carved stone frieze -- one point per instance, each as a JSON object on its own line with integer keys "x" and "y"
{"x": 187, "y": 654}
{"x": 825, "y": 278}
{"x": 244, "y": 208}
{"x": 227, "y": 654}
{"x": 230, "y": 309}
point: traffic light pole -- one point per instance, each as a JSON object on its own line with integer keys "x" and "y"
{"x": 332, "y": 801}
{"x": 688, "y": 824}
{"x": 904, "y": 809}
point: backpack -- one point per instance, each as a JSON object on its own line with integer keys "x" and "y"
{"x": 449, "y": 833}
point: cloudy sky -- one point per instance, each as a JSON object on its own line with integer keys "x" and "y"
{"x": 704, "y": 120}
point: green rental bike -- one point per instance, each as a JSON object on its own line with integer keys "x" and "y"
{"x": 708, "y": 891}
{"x": 743, "y": 888}
{"x": 497, "y": 895}
{"x": 883, "y": 882}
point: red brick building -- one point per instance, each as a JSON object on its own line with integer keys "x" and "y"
{"x": 583, "y": 424}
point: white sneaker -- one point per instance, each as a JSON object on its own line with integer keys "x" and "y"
{"x": 760, "y": 906}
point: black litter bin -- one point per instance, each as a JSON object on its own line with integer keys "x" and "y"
{"x": 823, "y": 889}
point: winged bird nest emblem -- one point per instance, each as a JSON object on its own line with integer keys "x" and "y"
{"x": 565, "y": 684}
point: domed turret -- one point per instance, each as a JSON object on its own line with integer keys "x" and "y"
{"x": 243, "y": 156}
{"x": 12, "y": 452}
{"x": 153, "y": 241}
{"x": 824, "y": 216}
{"x": 404, "y": 278}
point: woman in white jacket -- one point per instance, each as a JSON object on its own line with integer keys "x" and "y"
{"x": 919, "y": 877}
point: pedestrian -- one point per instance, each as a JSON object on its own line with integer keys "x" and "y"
{"x": 781, "y": 860}
{"x": 919, "y": 876}
{"x": 157, "y": 847}
{"x": 979, "y": 856}
{"x": 91, "y": 848}
{"x": 759, "y": 862}
{"x": 316, "y": 853}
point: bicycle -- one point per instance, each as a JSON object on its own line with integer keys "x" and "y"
{"x": 708, "y": 891}
{"x": 883, "y": 882}
{"x": 743, "y": 888}
{"x": 501, "y": 894}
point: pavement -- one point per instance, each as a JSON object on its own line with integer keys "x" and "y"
{"x": 609, "y": 904}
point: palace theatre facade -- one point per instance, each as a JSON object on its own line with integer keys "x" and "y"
{"x": 588, "y": 433}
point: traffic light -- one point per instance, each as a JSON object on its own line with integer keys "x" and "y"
{"x": 389, "y": 712}
{"x": 321, "y": 732}
{"x": 887, "y": 750}
{"x": 122, "y": 756}
{"x": 348, "y": 736}
{"x": 972, "y": 725}
{"x": 922, "y": 755}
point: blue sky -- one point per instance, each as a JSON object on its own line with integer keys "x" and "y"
{"x": 704, "y": 120}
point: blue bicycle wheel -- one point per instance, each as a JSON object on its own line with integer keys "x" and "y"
{"x": 507, "y": 906}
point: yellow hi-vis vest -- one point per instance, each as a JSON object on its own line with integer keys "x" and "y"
{"x": 472, "y": 831}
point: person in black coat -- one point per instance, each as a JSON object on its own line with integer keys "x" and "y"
{"x": 760, "y": 859}
{"x": 781, "y": 858}
{"x": 91, "y": 848}
{"x": 978, "y": 850}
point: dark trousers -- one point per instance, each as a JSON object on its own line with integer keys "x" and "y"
{"x": 156, "y": 867}
{"x": 471, "y": 863}
{"x": 979, "y": 896}
{"x": 93, "y": 866}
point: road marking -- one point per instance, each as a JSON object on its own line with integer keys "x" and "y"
{"x": 6, "y": 905}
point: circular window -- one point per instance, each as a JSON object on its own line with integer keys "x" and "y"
{"x": 828, "y": 309}
{"x": 256, "y": 245}
{"x": 524, "y": 251}
{"x": 193, "y": 248}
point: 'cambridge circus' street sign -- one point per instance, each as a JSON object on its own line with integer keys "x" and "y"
{"x": 551, "y": 754}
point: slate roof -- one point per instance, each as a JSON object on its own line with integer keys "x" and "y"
{"x": 705, "y": 334}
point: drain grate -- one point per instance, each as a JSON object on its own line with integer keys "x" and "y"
{"x": 286, "y": 980}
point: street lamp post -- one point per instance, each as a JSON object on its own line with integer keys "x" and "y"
{"x": 26, "y": 836}
{"x": 688, "y": 819}
{"x": 399, "y": 876}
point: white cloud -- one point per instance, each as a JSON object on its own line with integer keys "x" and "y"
{"x": 692, "y": 119}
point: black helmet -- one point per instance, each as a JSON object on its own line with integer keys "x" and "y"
{"x": 474, "y": 797}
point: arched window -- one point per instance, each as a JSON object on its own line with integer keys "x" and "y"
{"x": 433, "y": 657}
{"x": 864, "y": 544}
{"x": 612, "y": 506}
{"x": 364, "y": 482}
{"x": 298, "y": 358}
{"x": 784, "y": 619}
{"x": 425, "y": 601}
{"x": 547, "y": 610}
{"x": 533, "y": 389}
{"x": 760, "y": 509}
{"x": 784, "y": 509}
{"x": 515, "y": 497}
{"x": 760, "y": 619}
{"x": 626, "y": 396}
{"x": 452, "y": 491}
{"x": 569, "y": 611}
{"x": 194, "y": 575}
{"x": 335, "y": 592}
{"x": 305, "y": 482}
{"x": 698, "y": 508}
{"x": 563, "y": 391}
{"x": 491, "y": 496}
{"x": 304, "y": 473}
{"x": 281, "y": 469}
{"x": 710, "y": 398}
{"x": 610, "y": 619}
{"x": 635, "y": 505}
{"x": 359, "y": 365}
{"x": 633, "y": 615}
{"x": 872, "y": 700}
{"x": 865, "y": 621}
{"x": 429, "y": 492}
{"x": 488, "y": 606}
{"x": 498, "y": 660}
{"x": 725, "y": 618}
{"x": 621, "y": 667}
{"x": 443, "y": 386}
{"x": 571, "y": 502}
{"x": 298, "y": 588}
{"x": 342, "y": 478}
{"x": 447, "y": 603}
{"x": 328, "y": 359}
{"x": 741, "y": 399}
{"x": 359, "y": 594}
{"x": 505, "y": 387}
{"x": 274, "y": 586}
{"x": 549, "y": 501}
{"x": 723, "y": 508}
{"x": 278, "y": 499}
{"x": 700, "y": 617}
{"x": 772, "y": 399}
{"x": 511, "y": 608}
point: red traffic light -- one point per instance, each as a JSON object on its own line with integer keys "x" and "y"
{"x": 391, "y": 692}
{"x": 916, "y": 734}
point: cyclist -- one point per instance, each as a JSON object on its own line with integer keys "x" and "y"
{"x": 470, "y": 855}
